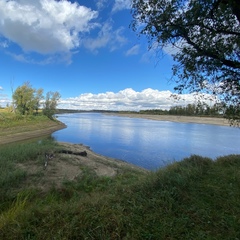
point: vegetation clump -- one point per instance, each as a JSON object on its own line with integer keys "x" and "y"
{"x": 197, "y": 198}
{"x": 27, "y": 101}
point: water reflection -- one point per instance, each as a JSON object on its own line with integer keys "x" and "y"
{"x": 147, "y": 143}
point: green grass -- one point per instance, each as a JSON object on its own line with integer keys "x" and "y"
{"x": 11, "y": 176}
{"x": 196, "y": 198}
{"x": 11, "y": 123}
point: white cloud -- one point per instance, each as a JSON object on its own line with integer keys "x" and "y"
{"x": 50, "y": 59}
{"x": 127, "y": 99}
{"x": 101, "y": 4}
{"x": 4, "y": 44}
{"x": 45, "y": 26}
{"x": 106, "y": 37}
{"x": 133, "y": 51}
{"x": 121, "y": 5}
{"x": 173, "y": 49}
{"x": 4, "y": 100}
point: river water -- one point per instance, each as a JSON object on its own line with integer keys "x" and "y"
{"x": 147, "y": 143}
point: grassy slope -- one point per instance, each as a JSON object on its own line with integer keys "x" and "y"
{"x": 194, "y": 199}
{"x": 11, "y": 123}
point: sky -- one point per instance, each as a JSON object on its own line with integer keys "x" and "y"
{"x": 85, "y": 50}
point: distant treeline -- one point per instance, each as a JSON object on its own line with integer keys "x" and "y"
{"x": 190, "y": 110}
{"x": 216, "y": 110}
{"x": 59, "y": 111}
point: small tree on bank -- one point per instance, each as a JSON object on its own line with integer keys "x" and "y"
{"x": 50, "y": 104}
{"x": 29, "y": 100}
{"x": 23, "y": 98}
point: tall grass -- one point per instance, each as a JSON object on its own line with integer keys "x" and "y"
{"x": 8, "y": 217}
{"x": 196, "y": 198}
{"x": 11, "y": 176}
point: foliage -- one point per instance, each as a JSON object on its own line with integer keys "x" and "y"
{"x": 197, "y": 110}
{"x": 24, "y": 99}
{"x": 217, "y": 110}
{"x": 204, "y": 37}
{"x": 50, "y": 104}
{"x": 27, "y": 100}
{"x": 196, "y": 198}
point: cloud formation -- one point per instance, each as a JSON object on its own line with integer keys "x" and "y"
{"x": 4, "y": 100}
{"x": 121, "y": 5}
{"x": 125, "y": 100}
{"x": 133, "y": 51}
{"x": 107, "y": 37}
{"x": 55, "y": 30}
{"x": 45, "y": 26}
{"x": 128, "y": 99}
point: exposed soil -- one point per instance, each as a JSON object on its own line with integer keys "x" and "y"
{"x": 68, "y": 167}
{"x": 30, "y": 134}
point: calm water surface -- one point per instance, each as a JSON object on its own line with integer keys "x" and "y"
{"x": 147, "y": 143}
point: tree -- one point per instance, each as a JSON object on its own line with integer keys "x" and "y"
{"x": 23, "y": 98}
{"x": 50, "y": 103}
{"x": 27, "y": 100}
{"x": 38, "y": 98}
{"x": 205, "y": 35}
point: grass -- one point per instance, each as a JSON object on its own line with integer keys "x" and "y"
{"x": 197, "y": 198}
{"x": 14, "y": 123}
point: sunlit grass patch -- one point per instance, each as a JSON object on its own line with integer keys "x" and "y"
{"x": 9, "y": 217}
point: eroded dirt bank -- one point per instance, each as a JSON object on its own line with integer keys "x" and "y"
{"x": 25, "y": 135}
{"x": 45, "y": 173}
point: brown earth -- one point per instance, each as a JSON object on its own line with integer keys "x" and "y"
{"x": 68, "y": 167}
{"x": 27, "y": 133}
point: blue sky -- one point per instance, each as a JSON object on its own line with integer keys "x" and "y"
{"x": 86, "y": 51}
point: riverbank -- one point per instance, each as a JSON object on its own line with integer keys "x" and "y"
{"x": 31, "y": 131}
{"x": 47, "y": 184}
{"x": 172, "y": 118}
{"x": 69, "y": 162}
{"x": 16, "y": 137}
{"x": 67, "y": 198}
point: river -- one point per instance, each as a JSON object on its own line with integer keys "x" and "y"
{"x": 147, "y": 143}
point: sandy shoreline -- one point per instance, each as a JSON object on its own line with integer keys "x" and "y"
{"x": 181, "y": 119}
{"x": 21, "y": 136}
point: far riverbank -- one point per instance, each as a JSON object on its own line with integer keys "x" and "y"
{"x": 172, "y": 118}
